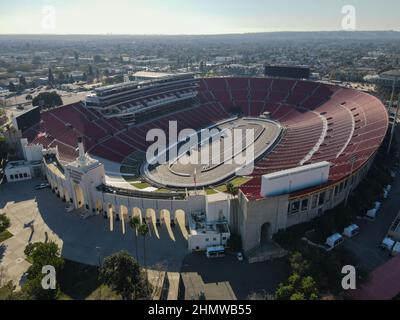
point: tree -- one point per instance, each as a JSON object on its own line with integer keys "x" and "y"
{"x": 134, "y": 223}
{"x": 122, "y": 273}
{"x": 51, "y": 76}
{"x": 143, "y": 231}
{"x": 22, "y": 81}
{"x": 61, "y": 77}
{"x": 284, "y": 291}
{"x": 90, "y": 71}
{"x": 309, "y": 287}
{"x": 300, "y": 285}
{"x": 297, "y": 296}
{"x": 41, "y": 254}
{"x": 298, "y": 264}
{"x": 97, "y": 59}
{"x": 12, "y": 87}
{"x": 47, "y": 99}
{"x": 231, "y": 188}
{"x": 4, "y": 223}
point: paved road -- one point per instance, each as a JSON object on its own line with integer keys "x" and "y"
{"x": 366, "y": 246}
{"x": 78, "y": 238}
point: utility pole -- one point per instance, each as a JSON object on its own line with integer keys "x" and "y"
{"x": 389, "y": 111}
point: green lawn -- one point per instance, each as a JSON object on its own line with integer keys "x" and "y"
{"x": 5, "y": 235}
{"x": 210, "y": 191}
{"x": 163, "y": 190}
{"x": 142, "y": 185}
{"x": 237, "y": 182}
{"x": 6, "y": 292}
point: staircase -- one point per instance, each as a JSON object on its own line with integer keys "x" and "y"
{"x": 266, "y": 252}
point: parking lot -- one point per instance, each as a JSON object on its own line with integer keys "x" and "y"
{"x": 13, "y": 102}
{"x": 366, "y": 245}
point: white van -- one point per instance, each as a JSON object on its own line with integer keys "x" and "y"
{"x": 396, "y": 249}
{"x": 388, "y": 244}
{"x": 351, "y": 231}
{"x": 333, "y": 241}
{"x": 371, "y": 214}
{"x": 215, "y": 252}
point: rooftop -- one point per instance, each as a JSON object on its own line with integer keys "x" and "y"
{"x": 391, "y": 73}
{"x": 150, "y": 74}
{"x": 199, "y": 225}
{"x": 21, "y": 163}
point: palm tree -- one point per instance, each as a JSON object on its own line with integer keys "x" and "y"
{"x": 134, "y": 223}
{"x": 143, "y": 231}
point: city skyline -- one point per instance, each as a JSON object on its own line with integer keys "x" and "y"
{"x": 181, "y": 17}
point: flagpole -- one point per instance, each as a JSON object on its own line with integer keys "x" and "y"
{"x": 195, "y": 182}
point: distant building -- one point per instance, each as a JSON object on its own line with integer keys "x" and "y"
{"x": 88, "y": 60}
{"x": 42, "y": 81}
{"x": 386, "y": 78}
{"x": 148, "y": 75}
{"x": 22, "y": 170}
{"x": 77, "y": 75}
{"x": 204, "y": 234}
{"x": 287, "y": 72}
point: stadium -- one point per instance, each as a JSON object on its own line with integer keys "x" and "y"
{"x": 298, "y": 125}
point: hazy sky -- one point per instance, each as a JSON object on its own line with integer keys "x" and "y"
{"x": 190, "y": 17}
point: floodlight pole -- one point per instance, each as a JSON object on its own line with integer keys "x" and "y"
{"x": 397, "y": 113}
{"x": 353, "y": 161}
{"x": 195, "y": 180}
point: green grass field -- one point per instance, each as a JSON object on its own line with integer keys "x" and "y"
{"x": 5, "y": 235}
{"x": 237, "y": 182}
{"x": 164, "y": 190}
{"x": 210, "y": 191}
{"x": 141, "y": 185}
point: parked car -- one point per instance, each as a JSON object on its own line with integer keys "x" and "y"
{"x": 69, "y": 208}
{"x": 239, "y": 256}
{"x": 333, "y": 241}
{"x": 396, "y": 249}
{"x": 388, "y": 244}
{"x": 42, "y": 186}
{"x": 351, "y": 231}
